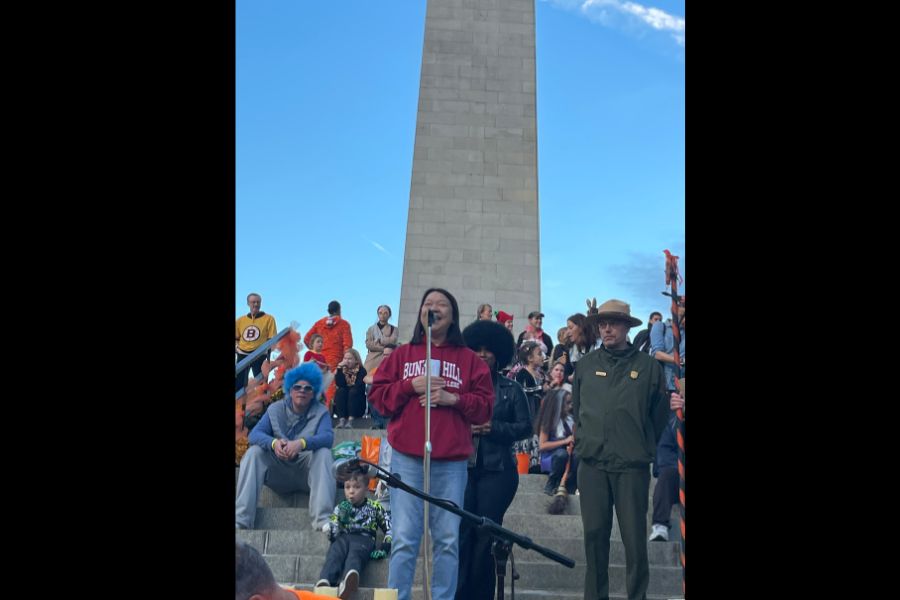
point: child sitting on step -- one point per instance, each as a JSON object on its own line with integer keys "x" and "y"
{"x": 554, "y": 426}
{"x": 351, "y": 529}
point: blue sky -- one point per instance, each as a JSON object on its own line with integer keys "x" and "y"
{"x": 326, "y": 97}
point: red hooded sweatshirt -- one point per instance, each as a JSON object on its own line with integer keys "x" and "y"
{"x": 393, "y": 396}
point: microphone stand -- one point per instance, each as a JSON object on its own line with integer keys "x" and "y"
{"x": 503, "y": 538}
{"x": 427, "y": 454}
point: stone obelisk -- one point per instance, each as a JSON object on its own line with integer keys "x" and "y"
{"x": 473, "y": 204}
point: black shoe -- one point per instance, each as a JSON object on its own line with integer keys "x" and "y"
{"x": 349, "y": 584}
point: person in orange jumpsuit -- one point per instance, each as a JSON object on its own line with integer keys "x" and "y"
{"x": 336, "y": 334}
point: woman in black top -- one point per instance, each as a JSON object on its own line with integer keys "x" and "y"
{"x": 493, "y": 477}
{"x": 350, "y": 397}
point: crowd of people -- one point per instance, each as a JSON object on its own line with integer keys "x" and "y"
{"x": 594, "y": 405}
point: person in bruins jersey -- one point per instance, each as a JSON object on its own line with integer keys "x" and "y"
{"x": 250, "y": 332}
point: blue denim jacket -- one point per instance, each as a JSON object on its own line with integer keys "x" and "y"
{"x": 661, "y": 338}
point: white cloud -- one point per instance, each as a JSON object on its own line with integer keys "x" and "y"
{"x": 381, "y": 248}
{"x": 613, "y": 13}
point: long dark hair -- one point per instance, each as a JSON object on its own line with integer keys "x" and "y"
{"x": 550, "y": 412}
{"x": 454, "y": 334}
{"x": 588, "y": 326}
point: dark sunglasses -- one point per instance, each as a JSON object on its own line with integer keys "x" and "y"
{"x": 301, "y": 388}
{"x": 609, "y": 323}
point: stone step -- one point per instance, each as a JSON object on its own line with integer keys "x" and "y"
{"x": 548, "y": 576}
{"x": 418, "y": 593}
{"x": 528, "y": 483}
{"x": 523, "y": 503}
{"x": 567, "y": 526}
{"x": 529, "y": 503}
{"x": 529, "y": 498}
{"x": 275, "y": 541}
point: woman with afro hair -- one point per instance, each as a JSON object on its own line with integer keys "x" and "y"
{"x": 492, "y": 474}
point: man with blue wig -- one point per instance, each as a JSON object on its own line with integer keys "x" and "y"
{"x": 290, "y": 450}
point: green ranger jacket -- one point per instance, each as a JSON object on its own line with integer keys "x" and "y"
{"x": 620, "y": 406}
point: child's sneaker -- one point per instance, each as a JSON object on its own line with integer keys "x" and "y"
{"x": 659, "y": 533}
{"x": 349, "y": 584}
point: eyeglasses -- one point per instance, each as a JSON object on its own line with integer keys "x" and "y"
{"x": 301, "y": 388}
{"x": 610, "y": 323}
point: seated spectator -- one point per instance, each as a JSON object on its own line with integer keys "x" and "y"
{"x": 290, "y": 451}
{"x": 350, "y": 398}
{"x": 557, "y": 376}
{"x": 351, "y": 530}
{"x": 554, "y": 427}
{"x": 253, "y": 579}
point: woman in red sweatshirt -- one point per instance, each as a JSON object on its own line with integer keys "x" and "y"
{"x": 462, "y": 396}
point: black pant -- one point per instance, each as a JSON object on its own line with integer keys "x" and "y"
{"x": 350, "y": 401}
{"x": 665, "y": 495}
{"x": 347, "y": 551}
{"x": 240, "y": 380}
{"x": 558, "y": 466}
{"x": 489, "y": 494}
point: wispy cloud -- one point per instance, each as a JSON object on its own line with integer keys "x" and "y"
{"x": 379, "y": 247}
{"x": 643, "y": 275}
{"x": 626, "y": 15}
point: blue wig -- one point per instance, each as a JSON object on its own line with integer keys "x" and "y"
{"x": 308, "y": 371}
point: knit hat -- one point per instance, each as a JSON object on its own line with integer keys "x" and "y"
{"x": 503, "y": 317}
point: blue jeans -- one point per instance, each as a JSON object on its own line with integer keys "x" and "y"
{"x": 378, "y": 420}
{"x": 448, "y": 480}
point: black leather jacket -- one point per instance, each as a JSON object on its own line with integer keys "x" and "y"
{"x": 510, "y": 423}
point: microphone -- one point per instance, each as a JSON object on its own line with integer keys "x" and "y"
{"x": 343, "y": 468}
{"x": 430, "y": 317}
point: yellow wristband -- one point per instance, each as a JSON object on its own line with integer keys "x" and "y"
{"x": 273, "y": 443}
{"x": 302, "y": 444}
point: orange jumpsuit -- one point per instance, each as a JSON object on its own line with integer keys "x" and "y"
{"x": 337, "y": 339}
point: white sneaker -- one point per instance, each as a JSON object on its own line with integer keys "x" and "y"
{"x": 322, "y": 583}
{"x": 349, "y": 584}
{"x": 659, "y": 533}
